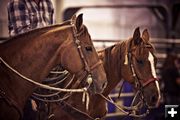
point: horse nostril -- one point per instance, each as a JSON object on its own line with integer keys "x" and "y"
{"x": 153, "y": 98}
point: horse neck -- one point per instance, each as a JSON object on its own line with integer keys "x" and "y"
{"x": 112, "y": 65}
{"x": 33, "y": 58}
{"x": 111, "y": 57}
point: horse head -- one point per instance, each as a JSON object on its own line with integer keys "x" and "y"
{"x": 80, "y": 57}
{"x": 139, "y": 67}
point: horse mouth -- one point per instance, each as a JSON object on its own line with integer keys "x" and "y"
{"x": 153, "y": 101}
{"x": 153, "y": 98}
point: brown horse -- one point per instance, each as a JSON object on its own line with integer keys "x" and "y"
{"x": 30, "y": 56}
{"x": 134, "y": 61}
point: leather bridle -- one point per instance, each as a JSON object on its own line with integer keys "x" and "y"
{"x": 87, "y": 68}
{"x": 139, "y": 86}
{"x": 77, "y": 42}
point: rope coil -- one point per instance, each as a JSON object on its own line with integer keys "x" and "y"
{"x": 83, "y": 90}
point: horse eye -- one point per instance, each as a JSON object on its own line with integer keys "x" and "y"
{"x": 88, "y": 48}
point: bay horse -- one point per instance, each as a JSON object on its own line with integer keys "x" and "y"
{"x": 132, "y": 60}
{"x": 30, "y": 57}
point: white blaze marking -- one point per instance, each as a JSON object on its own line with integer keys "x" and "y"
{"x": 159, "y": 93}
{"x": 151, "y": 59}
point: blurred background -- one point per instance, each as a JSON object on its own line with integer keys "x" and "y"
{"x": 110, "y": 21}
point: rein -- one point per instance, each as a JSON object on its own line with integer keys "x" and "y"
{"x": 124, "y": 108}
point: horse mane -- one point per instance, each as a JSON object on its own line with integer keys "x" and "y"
{"x": 108, "y": 55}
{"x": 108, "y": 58}
{"x": 38, "y": 31}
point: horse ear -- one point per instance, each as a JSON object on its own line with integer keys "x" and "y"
{"x": 136, "y": 36}
{"x": 145, "y": 35}
{"x": 79, "y": 22}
